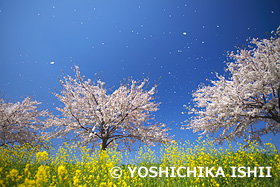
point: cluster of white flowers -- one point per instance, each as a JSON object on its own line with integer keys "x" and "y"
{"x": 250, "y": 94}
{"x": 19, "y": 122}
{"x": 96, "y": 116}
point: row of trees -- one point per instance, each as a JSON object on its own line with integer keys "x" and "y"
{"x": 231, "y": 106}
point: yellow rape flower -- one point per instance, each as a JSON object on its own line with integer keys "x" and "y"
{"x": 42, "y": 175}
{"x": 28, "y": 183}
{"x": 2, "y": 183}
{"x": 42, "y": 156}
{"x": 14, "y": 175}
{"x": 62, "y": 173}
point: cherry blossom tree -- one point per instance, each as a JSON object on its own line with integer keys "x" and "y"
{"x": 233, "y": 106}
{"x": 20, "y": 122}
{"x": 97, "y": 117}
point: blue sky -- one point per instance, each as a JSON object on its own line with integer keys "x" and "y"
{"x": 181, "y": 41}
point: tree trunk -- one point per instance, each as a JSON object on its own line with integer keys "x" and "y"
{"x": 104, "y": 144}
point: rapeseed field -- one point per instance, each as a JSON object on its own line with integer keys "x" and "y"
{"x": 177, "y": 164}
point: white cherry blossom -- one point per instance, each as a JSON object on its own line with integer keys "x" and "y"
{"x": 233, "y": 106}
{"x": 20, "y": 122}
{"x": 97, "y": 116}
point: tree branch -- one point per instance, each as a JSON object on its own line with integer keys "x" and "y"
{"x": 278, "y": 98}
